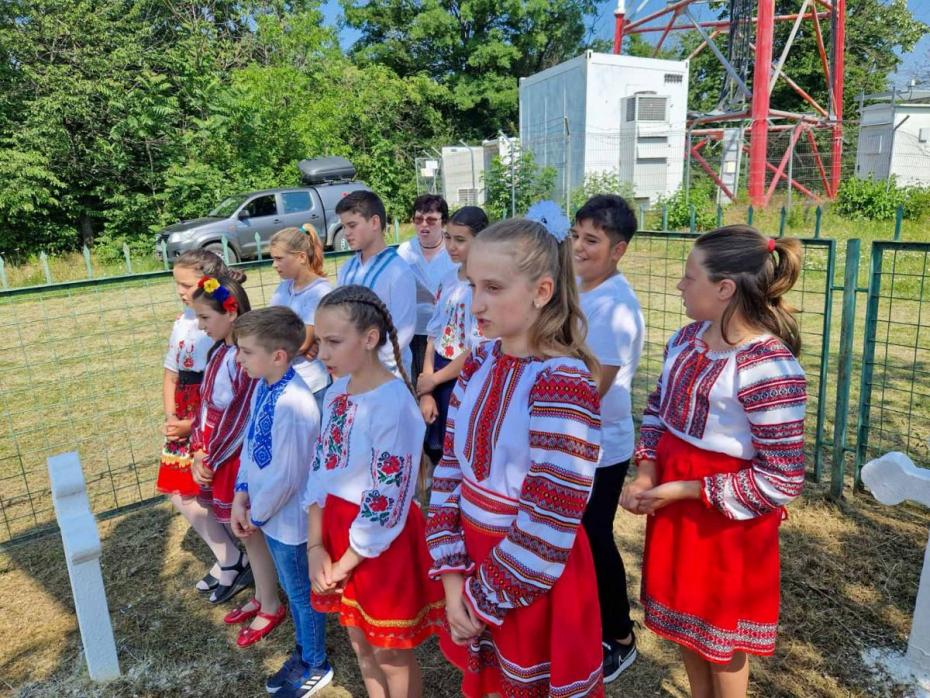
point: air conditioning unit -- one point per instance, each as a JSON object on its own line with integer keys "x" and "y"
{"x": 647, "y": 106}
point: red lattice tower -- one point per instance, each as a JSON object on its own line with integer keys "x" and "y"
{"x": 759, "y": 114}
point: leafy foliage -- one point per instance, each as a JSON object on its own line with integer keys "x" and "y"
{"x": 701, "y": 196}
{"x": 873, "y": 200}
{"x": 601, "y": 183}
{"x": 526, "y": 181}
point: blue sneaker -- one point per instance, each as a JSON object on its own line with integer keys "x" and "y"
{"x": 312, "y": 681}
{"x": 289, "y": 674}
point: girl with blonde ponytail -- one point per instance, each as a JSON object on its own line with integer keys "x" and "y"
{"x": 721, "y": 453}
{"x": 297, "y": 256}
{"x": 521, "y": 446}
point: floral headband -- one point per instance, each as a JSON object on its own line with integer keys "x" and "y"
{"x": 549, "y": 213}
{"x": 215, "y": 290}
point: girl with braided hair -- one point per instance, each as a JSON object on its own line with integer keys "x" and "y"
{"x": 367, "y": 545}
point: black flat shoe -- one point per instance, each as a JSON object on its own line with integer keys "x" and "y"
{"x": 243, "y": 579}
{"x": 211, "y": 582}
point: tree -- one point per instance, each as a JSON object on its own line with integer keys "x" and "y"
{"x": 521, "y": 185}
{"x": 477, "y": 49}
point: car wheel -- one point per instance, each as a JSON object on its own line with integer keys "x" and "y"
{"x": 217, "y": 249}
{"x": 339, "y": 242}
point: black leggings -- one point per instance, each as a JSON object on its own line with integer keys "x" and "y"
{"x": 598, "y": 523}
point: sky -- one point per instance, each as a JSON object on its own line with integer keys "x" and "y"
{"x": 604, "y": 27}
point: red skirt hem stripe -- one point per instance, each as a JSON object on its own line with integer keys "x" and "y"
{"x": 390, "y": 598}
{"x": 713, "y": 644}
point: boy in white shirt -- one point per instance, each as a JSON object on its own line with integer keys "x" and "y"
{"x": 283, "y": 427}
{"x": 380, "y": 268}
{"x": 603, "y": 228}
{"x": 427, "y": 256}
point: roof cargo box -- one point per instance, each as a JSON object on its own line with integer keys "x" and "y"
{"x": 323, "y": 170}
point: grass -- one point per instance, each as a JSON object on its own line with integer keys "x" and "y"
{"x": 849, "y": 575}
{"x": 80, "y": 369}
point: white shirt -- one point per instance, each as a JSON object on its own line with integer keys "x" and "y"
{"x": 389, "y": 277}
{"x": 452, "y": 327}
{"x": 368, "y": 454}
{"x": 188, "y": 345}
{"x": 304, "y": 302}
{"x": 429, "y": 275}
{"x": 276, "y": 454}
{"x": 615, "y": 335}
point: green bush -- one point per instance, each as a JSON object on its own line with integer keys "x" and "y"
{"x": 530, "y": 184}
{"x": 916, "y": 202}
{"x": 601, "y": 183}
{"x": 702, "y": 196}
{"x": 869, "y": 199}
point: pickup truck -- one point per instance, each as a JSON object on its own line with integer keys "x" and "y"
{"x": 265, "y": 212}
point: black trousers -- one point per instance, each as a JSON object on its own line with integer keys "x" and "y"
{"x": 418, "y": 352}
{"x": 598, "y": 522}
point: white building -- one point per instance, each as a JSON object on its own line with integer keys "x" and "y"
{"x": 464, "y": 166}
{"x": 603, "y": 113}
{"x": 894, "y": 137}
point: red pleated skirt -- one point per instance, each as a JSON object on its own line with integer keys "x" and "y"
{"x": 389, "y": 597}
{"x": 174, "y": 471}
{"x": 710, "y": 583}
{"x": 218, "y": 497}
{"x": 550, "y": 648}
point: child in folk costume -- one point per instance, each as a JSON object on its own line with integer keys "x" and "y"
{"x": 297, "y": 256}
{"x": 379, "y": 267}
{"x": 184, "y": 364}
{"x": 219, "y": 425}
{"x": 366, "y": 539}
{"x": 603, "y": 228}
{"x": 522, "y": 441}
{"x": 721, "y": 453}
{"x": 451, "y": 332}
{"x": 283, "y": 427}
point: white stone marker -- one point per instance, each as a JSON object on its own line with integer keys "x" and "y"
{"x": 892, "y": 479}
{"x": 82, "y": 553}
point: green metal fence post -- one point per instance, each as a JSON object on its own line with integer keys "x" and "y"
{"x": 693, "y": 215}
{"x": 642, "y": 216}
{"x": 898, "y": 221}
{"x": 396, "y": 231}
{"x": 225, "y": 242}
{"x": 823, "y": 377}
{"x": 844, "y": 373}
{"x": 3, "y": 279}
{"x": 127, "y": 258}
{"x": 258, "y": 246}
{"x": 43, "y": 259}
{"x": 818, "y": 216}
{"x": 719, "y": 215}
{"x": 781, "y": 222}
{"x": 664, "y": 218}
{"x": 164, "y": 254}
{"x": 87, "y": 264}
{"x": 868, "y": 359}
{"x": 749, "y": 215}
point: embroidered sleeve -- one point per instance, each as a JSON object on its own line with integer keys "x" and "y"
{"x": 171, "y": 356}
{"x": 564, "y": 442}
{"x": 395, "y": 464}
{"x": 773, "y": 392}
{"x": 230, "y": 430}
{"x": 652, "y": 426}
{"x": 444, "y": 535}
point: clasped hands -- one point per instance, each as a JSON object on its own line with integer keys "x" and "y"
{"x": 644, "y": 496}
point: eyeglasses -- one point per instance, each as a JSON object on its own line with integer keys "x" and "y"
{"x": 429, "y": 220}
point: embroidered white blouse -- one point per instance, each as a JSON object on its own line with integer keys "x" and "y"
{"x": 368, "y": 453}
{"x": 521, "y": 446}
{"x": 748, "y": 402}
{"x": 304, "y": 302}
{"x": 452, "y": 327}
{"x": 188, "y": 345}
{"x": 391, "y": 278}
{"x": 284, "y": 424}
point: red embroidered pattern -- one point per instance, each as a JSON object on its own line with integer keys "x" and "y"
{"x": 486, "y": 420}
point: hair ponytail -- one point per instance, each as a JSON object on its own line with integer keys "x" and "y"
{"x": 561, "y": 328}
{"x": 763, "y": 270}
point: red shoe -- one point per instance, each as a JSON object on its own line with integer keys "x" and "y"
{"x": 238, "y": 615}
{"x": 247, "y": 636}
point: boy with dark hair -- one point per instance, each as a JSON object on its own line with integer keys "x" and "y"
{"x": 427, "y": 256}
{"x": 284, "y": 424}
{"x": 602, "y": 231}
{"x": 380, "y": 268}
